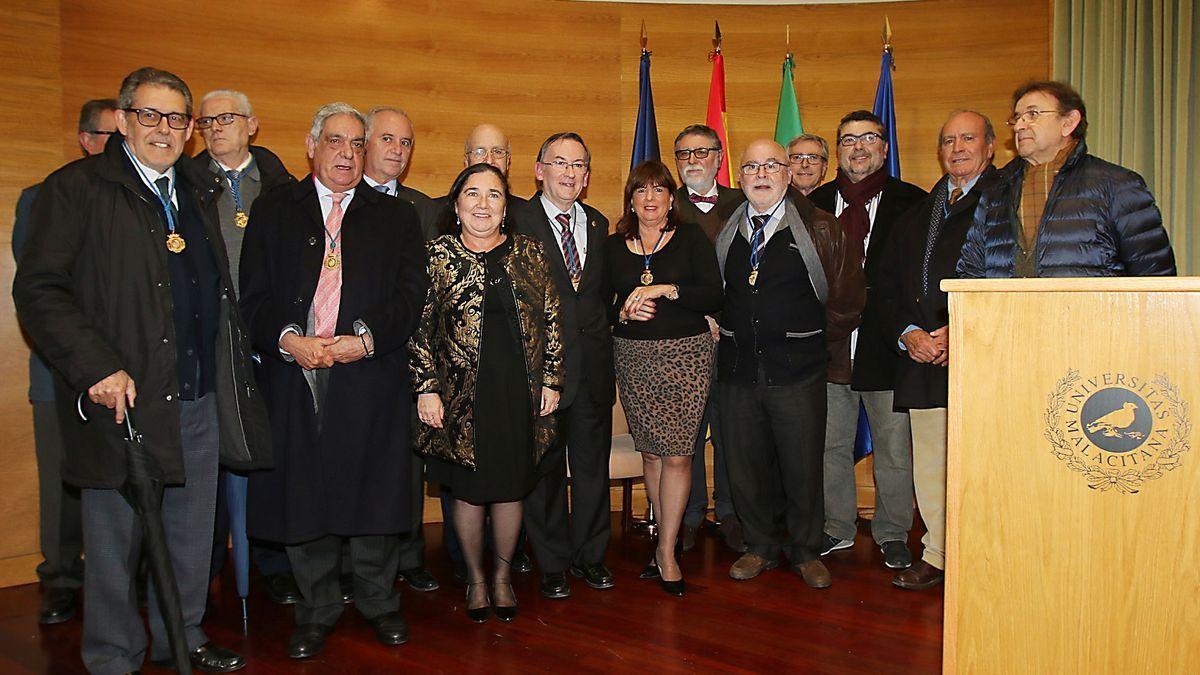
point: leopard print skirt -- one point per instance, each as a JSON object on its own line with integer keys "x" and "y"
{"x": 664, "y": 386}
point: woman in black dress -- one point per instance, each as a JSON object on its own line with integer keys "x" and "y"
{"x": 489, "y": 331}
{"x": 664, "y": 279}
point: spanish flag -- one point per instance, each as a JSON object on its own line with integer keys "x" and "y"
{"x": 716, "y": 108}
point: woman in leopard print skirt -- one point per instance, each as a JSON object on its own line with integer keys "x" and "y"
{"x": 664, "y": 279}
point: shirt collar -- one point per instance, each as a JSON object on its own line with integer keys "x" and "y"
{"x": 244, "y": 165}
{"x": 324, "y": 192}
{"x": 965, "y": 188}
{"x": 775, "y": 211}
{"x": 149, "y": 175}
{"x": 393, "y": 185}
{"x": 552, "y": 211}
{"x": 712, "y": 192}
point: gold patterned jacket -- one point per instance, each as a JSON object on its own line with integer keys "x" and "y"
{"x": 446, "y": 346}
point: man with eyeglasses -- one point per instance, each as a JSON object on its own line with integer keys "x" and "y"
{"x": 125, "y": 288}
{"x": 573, "y": 234}
{"x": 924, "y": 249}
{"x": 793, "y": 290}
{"x": 227, "y": 123}
{"x": 333, "y": 282}
{"x": 486, "y": 144}
{"x": 390, "y": 141}
{"x": 809, "y": 156}
{"x": 701, "y": 200}
{"x": 1056, "y": 210}
{"x": 59, "y": 527}
{"x": 867, "y": 202}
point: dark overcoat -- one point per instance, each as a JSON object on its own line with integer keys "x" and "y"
{"x": 93, "y": 291}
{"x": 352, "y": 478}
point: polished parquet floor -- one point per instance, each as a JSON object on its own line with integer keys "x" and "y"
{"x": 772, "y": 624}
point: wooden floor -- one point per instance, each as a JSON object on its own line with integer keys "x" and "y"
{"x": 772, "y": 624}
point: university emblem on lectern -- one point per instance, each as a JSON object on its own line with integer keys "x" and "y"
{"x": 1117, "y": 429}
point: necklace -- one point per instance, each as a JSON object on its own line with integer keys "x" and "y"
{"x": 647, "y": 277}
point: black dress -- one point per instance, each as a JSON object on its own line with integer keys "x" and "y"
{"x": 503, "y": 418}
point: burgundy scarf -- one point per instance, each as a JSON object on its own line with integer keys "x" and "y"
{"x": 855, "y": 219}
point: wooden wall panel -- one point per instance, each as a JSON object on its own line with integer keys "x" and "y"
{"x": 534, "y": 67}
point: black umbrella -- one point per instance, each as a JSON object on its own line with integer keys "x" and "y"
{"x": 143, "y": 489}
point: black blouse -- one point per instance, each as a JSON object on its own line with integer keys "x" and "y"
{"x": 688, "y": 261}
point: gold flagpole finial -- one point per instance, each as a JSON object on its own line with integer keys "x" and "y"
{"x": 716, "y": 36}
{"x": 887, "y": 34}
{"x": 645, "y": 37}
{"x": 789, "y": 40}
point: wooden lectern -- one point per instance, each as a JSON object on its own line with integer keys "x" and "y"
{"x": 1073, "y": 492}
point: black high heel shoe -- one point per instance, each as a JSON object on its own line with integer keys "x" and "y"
{"x": 676, "y": 588}
{"x": 479, "y": 614}
{"x": 650, "y": 571}
{"x": 505, "y": 613}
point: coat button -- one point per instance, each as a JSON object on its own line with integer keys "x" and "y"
{"x": 312, "y": 241}
{"x": 299, "y": 299}
{"x": 168, "y": 397}
{"x": 166, "y": 341}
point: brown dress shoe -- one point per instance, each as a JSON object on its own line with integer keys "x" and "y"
{"x": 920, "y": 576}
{"x": 815, "y": 574}
{"x": 751, "y": 565}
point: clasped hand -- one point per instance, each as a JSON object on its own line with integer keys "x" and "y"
{"x": 312, "y": 353}
{"x": 640, "y": 305}
{"x": 932, "y": 347}
{"x": 432, "y": 413}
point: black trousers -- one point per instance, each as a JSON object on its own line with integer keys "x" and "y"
{"x": 412, "y": 542}
{"x": 774, "y": 438}
{"x": 579, "y": 537}
{"x": 317, "y": 565}
{"x": 60, "y": 529}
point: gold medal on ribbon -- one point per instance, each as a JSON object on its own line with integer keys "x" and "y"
{"x": 331, "y": 261}
{"x": 753, "y": 276}
{"x": 175, "y": 243}
{"x": 241, "y": 219}
{"x": 647, "y": 278}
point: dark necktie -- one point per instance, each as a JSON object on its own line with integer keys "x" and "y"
{"x": 936, "y": 216}
{"x": 955, "y": 195}
{"x": 696, "y": 199}
{"x": 756, "y": 237}
{"x": 570, "y": 253}
{"x": 164, "y": 190}
{"x": 383, "y": 188}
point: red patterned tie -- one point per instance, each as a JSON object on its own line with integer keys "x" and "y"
{"x": 570, "y": 253}
{"x": 329, "y": 287}
{"x": 696, "y": 199}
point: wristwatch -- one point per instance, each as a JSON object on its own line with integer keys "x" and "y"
{"x": 674, "y": 294}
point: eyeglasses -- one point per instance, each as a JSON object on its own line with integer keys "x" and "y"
{"x": 149, "y": 117}
{"x": 482, "y": 153}
{"x": 563, "y": 165}
{"x": 770, "y": 166}
{"x": 802, "y": 157}
{"x": 1030, "y": 116}
{"x": 100, "y": 132}
{"x": 224, "y": 119}
{"x": 850, "y": 140}
{"x": 700, "y": 153}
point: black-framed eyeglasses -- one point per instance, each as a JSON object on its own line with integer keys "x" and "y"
{"x": 1030, "y": 116}
{"x": 770, "y": 166}
{"x": 850, "y": 140}
{"x": 701, "y": 153}
{"x": 811, "y": 158}
{"x": 224, "y": 119}
{"x": 149, "y": 117}
{"x": 101, "y": 132}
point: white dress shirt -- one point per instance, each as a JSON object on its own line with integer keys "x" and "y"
{"x": 149, "y": 175}
{"x": 391, "y": 185}
{"x": 705, "y": 206}
{"x": 578, "y": 227}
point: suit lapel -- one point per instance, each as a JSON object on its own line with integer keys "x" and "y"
{"x": 595, "y": 240}
{"x": 541, "y": 228}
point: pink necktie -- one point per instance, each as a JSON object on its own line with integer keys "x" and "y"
{"x": 329, "y": 287}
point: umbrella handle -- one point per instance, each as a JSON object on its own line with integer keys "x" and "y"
{"x": 131, "y": 433}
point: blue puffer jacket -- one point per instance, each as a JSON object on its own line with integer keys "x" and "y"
{"x": 1100, "y": 221}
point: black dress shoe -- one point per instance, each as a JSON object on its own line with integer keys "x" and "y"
{"x": 478, "y": 614}
{"x": 420, "y": 579}
{"x": 554, "y": 585}
{"x": 595, "y": 575}
{"x": 675, "y": 588}
{"x": 208, "y": 658}
{"x": 308, "y": 640}
{"x": 390, "y": 628}
{"x": 521, "y": 563}
{"x": 282, "y": 589}
{"x": 650, "y": 571}
{"x": 505, "y": 613}
{"x": 346, "y": 581}
{"x": 58, "y": 605}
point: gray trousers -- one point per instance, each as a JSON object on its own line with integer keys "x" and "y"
{"x": 317, "y": 565}
{"x": 697, "y": 504}
{"x": 60, "y": 528}
{"x": 891, "y": 439}
{"x": 114, "y": 639}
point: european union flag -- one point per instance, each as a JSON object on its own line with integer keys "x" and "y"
{"x": 885, "y": 109}
{"x": 645, "y": 138}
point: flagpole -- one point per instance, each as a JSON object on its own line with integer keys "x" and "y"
{"x": 716, "y": 117}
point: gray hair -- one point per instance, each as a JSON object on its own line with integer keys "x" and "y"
{"x": 989, "y": 133}
{"x": 815, "y": 139}
{"x": 369, "y": 118}
{"x": 153, "y": 76}
{"x": 701, "y": 130}
{"x": 239, "y": 100}
{"x": 329, "y": 110}
{"x": 89, "y": 114}
{"x": 565, "y": 136}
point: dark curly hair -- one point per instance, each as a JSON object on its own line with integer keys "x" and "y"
{"x": 650, "y": 173}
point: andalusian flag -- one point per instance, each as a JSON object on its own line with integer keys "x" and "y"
{"x": 716, "y": 108}
{"x": 787, "y": 120}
